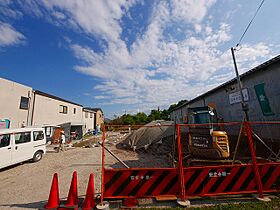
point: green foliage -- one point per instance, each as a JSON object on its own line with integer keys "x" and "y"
{"x": 173, "y": 106}
{"x": 128, "y": 119}
{"x": 141, "y": 118}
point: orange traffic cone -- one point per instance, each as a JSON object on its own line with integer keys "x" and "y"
{"x": 53, "y": 201}
{"x": 72, "y": 199}
{"x": 89, "y": 202}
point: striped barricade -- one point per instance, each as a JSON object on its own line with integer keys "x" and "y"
{"x": 199, "y": 181}
{"x": 122, "y": 183}
{"x": 228, "y": 179}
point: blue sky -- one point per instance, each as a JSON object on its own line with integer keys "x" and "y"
{"x": 133, "y": 55}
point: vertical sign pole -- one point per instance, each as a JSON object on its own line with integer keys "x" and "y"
{"x": 181, "y": 170}
{"x": 244, "y": 105}
{"x": 103, "y": 165}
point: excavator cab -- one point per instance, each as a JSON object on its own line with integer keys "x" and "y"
{"x": 207, "y": 140}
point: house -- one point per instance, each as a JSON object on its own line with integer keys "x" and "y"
{"x": 48, "y": 109}
{"x": 15, "y": 103}
{"x": 23, "y": 106}
{"x": 99, "y": 117}
{"x": 89, "y": 117}
{"x": 261, "y": 91}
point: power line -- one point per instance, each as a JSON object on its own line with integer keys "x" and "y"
{"x": 250, "y": 23}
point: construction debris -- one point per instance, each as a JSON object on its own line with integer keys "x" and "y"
{"x": 152, "y": 133}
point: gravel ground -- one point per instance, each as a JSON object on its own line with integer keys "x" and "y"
{"x": 27, "y": 185}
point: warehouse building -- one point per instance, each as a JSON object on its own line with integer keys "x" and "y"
{"x": 261, "y": 90}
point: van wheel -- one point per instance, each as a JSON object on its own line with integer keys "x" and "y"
{"x": 37, "y": 156}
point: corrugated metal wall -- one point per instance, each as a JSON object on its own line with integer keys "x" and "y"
{"x": 270, "y": 77}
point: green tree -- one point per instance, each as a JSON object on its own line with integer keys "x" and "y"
{"x": 128, "y": 119}
{"x": 165, "y": 114}
{"x": 155, "y": 115}
{"x": 141, "y": 118}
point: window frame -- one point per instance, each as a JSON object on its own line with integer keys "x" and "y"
{"x": 63, "y": 109}
{"x": 24, "y": 104}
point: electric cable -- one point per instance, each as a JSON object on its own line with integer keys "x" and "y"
{"x": 250, "y": 23}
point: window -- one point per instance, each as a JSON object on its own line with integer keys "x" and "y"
{"x": 24, "y": 102}
{"x": 74, "y": 110}
{"x": 38, "y": 135}
{"x": 22, "y": 137}
{"x": 86, "y": 114}
{"x": 4, "y": 140}
{"x": 48, "y": 131}
{"x": 63, "y": 109}
{"x": 90, "y": 115}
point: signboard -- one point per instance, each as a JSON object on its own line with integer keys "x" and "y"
{"x": 4, "y": 124}
{"x": 236, "y": 97}
{"x": 263, "y": 100}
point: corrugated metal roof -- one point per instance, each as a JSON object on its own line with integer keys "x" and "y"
{"x": 244, "y": 75}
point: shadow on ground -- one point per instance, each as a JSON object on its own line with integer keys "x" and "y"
{"x": 35, "y": 205}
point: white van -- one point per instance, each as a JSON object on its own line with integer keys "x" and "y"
{"x": 18, "y": 145}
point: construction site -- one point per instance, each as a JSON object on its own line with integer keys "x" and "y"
{"x": 86, "y": 141}
{"x": 219, "y": 148}
{"x": 166, "y": 165}
{"x": 157, "y": 165}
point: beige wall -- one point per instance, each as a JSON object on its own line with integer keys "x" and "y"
{"x": 10, "y": 96}
{"x": 88, "y": 118}
{"x": 47, "y": 111}
{"x": 99, "y": 118}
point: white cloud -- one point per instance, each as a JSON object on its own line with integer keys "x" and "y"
{"x": 100, "y": 17}
{"x": 157, "y": 72}
{"x": 192, "y": 11}
{"x": 153, "y": 71}
{"x": 9, "y": 35}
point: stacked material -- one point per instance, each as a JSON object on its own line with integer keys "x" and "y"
{"x": 151, "y": 133}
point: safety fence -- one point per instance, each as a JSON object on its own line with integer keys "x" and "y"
{"x": 251, "y": 165}
{"x": 198, "y": 181}
{"x": 252, "y": 175}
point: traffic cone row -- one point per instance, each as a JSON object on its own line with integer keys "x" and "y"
{"x": 72, "y": 199}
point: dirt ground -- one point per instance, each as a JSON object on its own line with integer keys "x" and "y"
{"x": 27, "y": 185}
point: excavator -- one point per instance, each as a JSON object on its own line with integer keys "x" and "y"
{"x": 205, "y": 142}
{"x": 206, "y": 139}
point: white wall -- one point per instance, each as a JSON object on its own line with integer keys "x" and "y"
{"x": 10, "y": 96}
{"x": 47, "y": 111}
{"x": 88, "y": 120}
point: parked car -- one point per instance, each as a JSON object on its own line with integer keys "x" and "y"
{"x": 18, "y": 145}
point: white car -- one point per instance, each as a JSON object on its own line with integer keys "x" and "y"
{"x": 18, "y": 145}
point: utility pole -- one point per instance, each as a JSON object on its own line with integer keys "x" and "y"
{"x": 245, "y": 107}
